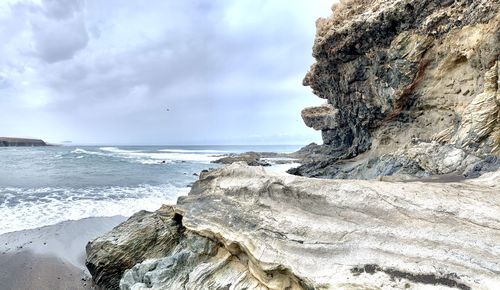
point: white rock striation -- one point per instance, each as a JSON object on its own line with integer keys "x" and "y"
{"x": 278, "y": 231}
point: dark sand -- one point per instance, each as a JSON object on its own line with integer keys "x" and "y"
{"x": 52, "y": 257}
{"x": 26, "y": 270}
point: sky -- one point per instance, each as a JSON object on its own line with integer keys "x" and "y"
{"x": 157, "y": 72}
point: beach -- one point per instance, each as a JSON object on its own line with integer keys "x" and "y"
{"x": 50, "y": 257}
{"x": 54, "y": 200}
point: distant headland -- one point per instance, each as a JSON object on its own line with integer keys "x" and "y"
{"x": 8, "y": 142}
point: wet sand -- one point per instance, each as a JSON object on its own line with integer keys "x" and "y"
{"x": 26, "y": 270}
{"x": 51, "y": 257}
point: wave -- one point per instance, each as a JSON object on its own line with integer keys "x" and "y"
{"x": 148, "y": 158}
{"x": 177, "y": 156}
{"x": 22, "y": 208}
{"x": 83, "y": 151}
{"x": 193, "y": 151}
{"x": 117, "y": 150}
{"x": 167, "y": 155}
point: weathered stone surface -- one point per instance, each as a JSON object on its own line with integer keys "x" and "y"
{"x": 250, "y": 158}
{"x": 321, "y": 118}
{"x": 143, "y": 236}
{"x": 243, "y": 228}
{"x": 412, "y": 161}
{"x": 8, "y": 142}
{"x": 261, "y": 158}
{"x": 154, "y": 250}
{"x": 399, "y": 73}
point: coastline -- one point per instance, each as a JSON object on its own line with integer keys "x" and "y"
{"x": 53, "y": 256}
{"x": 50, "y": 257}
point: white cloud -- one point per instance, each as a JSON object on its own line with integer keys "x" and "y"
{"x": 105, "y": 69}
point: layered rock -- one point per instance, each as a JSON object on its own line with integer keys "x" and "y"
{"x": 411, "y": 90}
{"x": 7, "y": 142}
{"x": 243, "y": 228}
{"x": 396, "y": 74}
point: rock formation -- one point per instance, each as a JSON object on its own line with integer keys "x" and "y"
{"x": 401, "y": 76}
{"x": 243, "y": 228}
{"x": 7, "y": 142}
{"x": 263, "y": 158}
{"x": 412, "y": 91}
{"x": 250, "y": 158}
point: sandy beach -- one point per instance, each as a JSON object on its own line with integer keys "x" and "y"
{"x": 51, "y": 257}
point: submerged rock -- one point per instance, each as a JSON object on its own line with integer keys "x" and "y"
{"x": 243, "y": 228}
{"x": 397, "y": 74}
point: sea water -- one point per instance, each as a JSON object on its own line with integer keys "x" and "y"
{"x": 45, "y": 185}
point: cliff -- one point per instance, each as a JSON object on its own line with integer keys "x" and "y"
{"x": 241, "y": 227}
{"x": 7, "y": 142}
{"x": 411, "y": 88}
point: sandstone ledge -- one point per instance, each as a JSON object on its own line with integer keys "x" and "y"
{"x": 243, "y": 228}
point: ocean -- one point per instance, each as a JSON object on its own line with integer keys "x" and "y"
{"x": 41, "y": 186}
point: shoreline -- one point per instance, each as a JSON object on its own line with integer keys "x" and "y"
{"x": 50, "y": 257}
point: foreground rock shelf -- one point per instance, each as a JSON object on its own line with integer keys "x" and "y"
{"x": 243, "y": 228}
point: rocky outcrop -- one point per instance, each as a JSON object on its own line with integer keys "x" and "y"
{"x": 411, "y": 90}
{"x": 144, "y": 235}
{"x": 261, "y": 158}
{"x": 250, "y": 158}
{"x": 7, "y": 142}
{"x": 243, "y": 228}
{"x": 400, "y": 75}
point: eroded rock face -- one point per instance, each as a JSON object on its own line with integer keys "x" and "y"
{"x": 244, "y": 228}
{"x": 411, "y": 90}
{"x": 154, "y": 250}
{"x": 398, "y": 73}
{"x": 143, "y": 236}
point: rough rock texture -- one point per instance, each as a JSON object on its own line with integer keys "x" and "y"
{"x": 144, "y": 235}
{"x": 412, "y": 91}
{"x": 7, "y": 142}
{"x": 250, "y": 158}
{"x": 262, "y": 158}
{"x": 398, "y": 75}
{"x": 243, "y": 228}
{"x": 155, "y": 250}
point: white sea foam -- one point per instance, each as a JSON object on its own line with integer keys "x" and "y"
{"x": 117, "y": 150}
{"x": 193, "y": 151}
{"x": 163, "y": 155}
{"x": 53, "y": 205}
{"x": 150, "y": 158}
{"x": 281, "y": 168}
{"x": 177, "y": 156}
{"x": 83, "y": 151}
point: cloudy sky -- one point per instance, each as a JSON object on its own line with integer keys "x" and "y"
{"x": 157, "y": 72}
